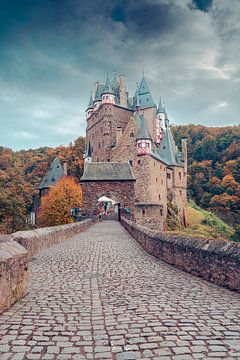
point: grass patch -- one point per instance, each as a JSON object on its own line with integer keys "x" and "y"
{"x": 205, "y": 224}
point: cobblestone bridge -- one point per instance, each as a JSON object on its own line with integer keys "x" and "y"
{"x": 99, "y": 296}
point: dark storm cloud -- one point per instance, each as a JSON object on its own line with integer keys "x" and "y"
{"x": 52, "y": 52}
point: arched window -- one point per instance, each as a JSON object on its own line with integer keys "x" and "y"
{"x": 131, "y": 134}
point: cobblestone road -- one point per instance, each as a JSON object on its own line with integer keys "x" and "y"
{"x": 99, "y": 296}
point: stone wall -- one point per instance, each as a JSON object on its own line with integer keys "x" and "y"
{"x": 217, "y": 261}
{"x": 17, "y": 248}
{"x": 39, "y": 239}
{"x": 13, "y": 272}
{"x": 120, "y": 191}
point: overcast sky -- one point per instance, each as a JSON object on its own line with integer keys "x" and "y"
{"x": 52, "y": 51}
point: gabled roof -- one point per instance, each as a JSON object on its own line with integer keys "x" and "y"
{"x": 107, "y": 171}
{"x": 90, "y": 104}
{"x": 56, "y": 173}
{"x": 143, "y": 132}
{"x": 145, "y": 97}
{"x": 107, "y": 87}
{"x": 160, "y": 108}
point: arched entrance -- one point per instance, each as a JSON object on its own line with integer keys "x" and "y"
{"x": 108, "y": 208}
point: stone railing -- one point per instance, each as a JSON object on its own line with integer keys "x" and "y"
{"x": 217, "y": 261}
{"x": 15, "y": 251}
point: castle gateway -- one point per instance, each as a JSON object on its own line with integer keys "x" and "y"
{"x": 131, "y": 154}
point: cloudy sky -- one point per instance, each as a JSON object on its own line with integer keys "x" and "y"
{"x": 52, "y": 51}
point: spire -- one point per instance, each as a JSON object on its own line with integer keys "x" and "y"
{"x": 137, "y": 106}
{"x": 108, "y": 87}
{"x": 166, "y": 118}
{"x": 143, "y": 133}
{"x": 98, "y": 96}
{"x": 145, "y": 97}
{"x": 90, "y": 104}
{"x": 160, "y": 108}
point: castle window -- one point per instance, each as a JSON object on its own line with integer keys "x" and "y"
{"x": 156, "y": 179}
{"x": 161, "y": 167}
{"x": 143, "y": 211}
{"x": 132, "y": 134}
{"x": 161, "y": 212}
{"x": 180, "y": 176}
{"x": 154, "y": 163}
{"x": 139, "y": 162}
{"x": 169, "y": 176}
{"x": 180, "y": 192}
{"x": 108, "y": 160}
{"x": 159, "y": 197}
{"x": 130, "y": 162}
{"x": 99, "y": 145}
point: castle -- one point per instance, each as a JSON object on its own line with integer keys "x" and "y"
{"x": 131, "y": 155}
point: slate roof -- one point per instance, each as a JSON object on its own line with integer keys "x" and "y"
{"x": 56, "y": 173}
{"x": 168, "y": 149}
{"x": 160, "y": 108}
{"x": 107, "y": 171}
{"x": 143, "y": 132}
{"x": 107, "y": 87}
{"x": 90, "y": 104}
{"x": 99, "y": 92}
{"x": 145, "y": 97}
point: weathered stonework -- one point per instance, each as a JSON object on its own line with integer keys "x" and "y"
{"x": 39, "y": 239}
{"x": 13, "y": 272}
{"x": 217, "y": 261}
{"x": 16, "y": 250}
{"x": 120, "y": 191}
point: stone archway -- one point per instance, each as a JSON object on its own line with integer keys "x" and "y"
{"x": 121, "y": 192}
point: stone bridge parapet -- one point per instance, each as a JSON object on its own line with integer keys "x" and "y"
{"x": 17, "y": 249}
{"x": 217, "y": 261}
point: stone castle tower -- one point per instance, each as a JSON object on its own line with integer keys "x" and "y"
{"x": 131, "y": 154}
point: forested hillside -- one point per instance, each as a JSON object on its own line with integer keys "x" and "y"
{"x": 214, "y": 168}
{"x": 214, "y": 172}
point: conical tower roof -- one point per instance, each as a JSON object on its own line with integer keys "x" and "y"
{"x": 145, "y": 97}
{"x": 108, "y": 87}
{"x": 143, "y": 132}
{"x": 160, "y": 108}
{"x": 98, "y": 95}
{"x": 90, "y": 104}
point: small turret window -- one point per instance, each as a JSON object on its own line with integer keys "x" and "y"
{"x": 180, "y": 176}
{"x": 169, "y": 176}
{"x": 132, "y": 134}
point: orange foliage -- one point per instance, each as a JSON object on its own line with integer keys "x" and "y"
{"x": 55, "y": 207}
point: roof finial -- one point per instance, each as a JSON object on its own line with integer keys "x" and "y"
{"x": 143, "y": 66}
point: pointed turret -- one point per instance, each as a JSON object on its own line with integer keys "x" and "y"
{"x": 108, "y": 96}
{"x": 98, "y": 97}
{"x": 160, "y": 109}
{"x": 160, "y": 121}
{"x": 144, "y": 140}
{"x": 145, "y": 97}
{"x": 166, "y": 119}
{"x": 88, "y": 154}
{"x": 90, "y": 107}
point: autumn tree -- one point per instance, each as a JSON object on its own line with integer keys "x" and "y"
{"x": 56, "y": 205}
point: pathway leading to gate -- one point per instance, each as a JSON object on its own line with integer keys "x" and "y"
{"x": 99, "y": 296}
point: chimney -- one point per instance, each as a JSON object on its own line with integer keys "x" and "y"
{"x": 123, "y": 91}
{"x": 64, "y": 169}
{"x": 118, "y": 134}
{"x": 184, "y": 154}
{"x": 95, "y": 89}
